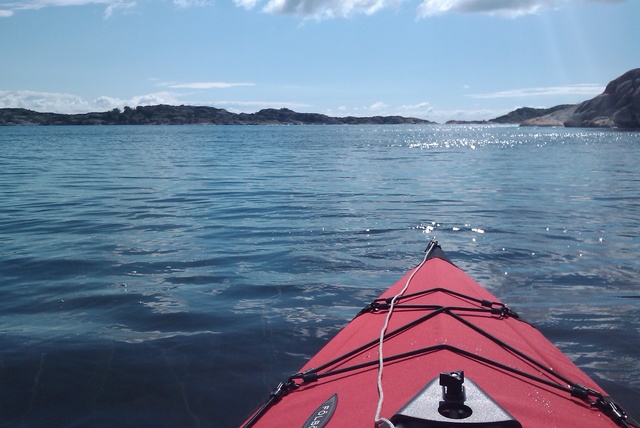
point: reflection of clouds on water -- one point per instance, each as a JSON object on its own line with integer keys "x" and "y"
{"x": 296, "y": 315}
{"x": 596, "y": 360}
{"x": 123, "y": 334}
{"x": 602, "y": 328}
{"x": 167, "y": 304}
{"x": 322, "y": 313}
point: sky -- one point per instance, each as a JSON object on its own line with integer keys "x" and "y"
{"x": 433, "y": 59}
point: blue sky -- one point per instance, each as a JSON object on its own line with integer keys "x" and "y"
{"x": 433, "y": 59}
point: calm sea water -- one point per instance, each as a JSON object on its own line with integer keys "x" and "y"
{"x": 172, "y": 276}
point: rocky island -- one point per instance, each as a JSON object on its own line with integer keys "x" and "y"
{"x": 617, "y": 107}
{"x": 515, "y": 117}
{"x": 190, "y": 115}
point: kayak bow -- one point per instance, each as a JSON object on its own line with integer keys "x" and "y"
{"x": 438, "y": 350}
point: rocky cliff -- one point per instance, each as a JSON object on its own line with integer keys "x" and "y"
{"x": 617, "y": 107}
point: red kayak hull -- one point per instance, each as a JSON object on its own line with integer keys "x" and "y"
{"x": 445, "y": 341}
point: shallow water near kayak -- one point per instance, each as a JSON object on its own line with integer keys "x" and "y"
{"x": 172, "y": 276}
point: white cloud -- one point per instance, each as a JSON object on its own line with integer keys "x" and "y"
{"x": 44, "y": 101}
{"x": 377, "y": 106}
{"x": 505, "y": 8}
{"x": 319, "y": 9}
{"x": 9, "y": 9}
{"x": 190, "y": 3}
{"x": 154, "y": 99}
{"x": 582, "y": 89}
{"x": 467, "y": 114}
{"x": 422, "y": 109}
{"x": 109, "y": 103}
{"x": 322, "y": 9}
{"x": 118, "y": 5}
{"x": 205, "y": 85}
{"x": 502, "y": 8}
{"x": 52, "y": 102}
{"x": 258, "y": 105}
{"x": 420, "y": 106}
{"x": 380, "y": 108}
{"x": 111, "y": 6}
{"x": 105, "y": 103}
{"x": 247, "y": 4}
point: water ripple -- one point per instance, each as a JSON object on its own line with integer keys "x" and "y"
{"x": 164, "y": 275}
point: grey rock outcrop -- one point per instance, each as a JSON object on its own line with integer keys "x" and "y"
{"x": 617, "y": 107}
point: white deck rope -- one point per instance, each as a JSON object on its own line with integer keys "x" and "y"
{"x": 380, "y": 421}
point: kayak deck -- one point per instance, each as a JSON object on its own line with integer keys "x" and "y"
{"x": 443, "y": 322}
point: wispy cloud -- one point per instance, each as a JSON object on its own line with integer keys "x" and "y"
{"x": 190, "y": 3}
{"x": 9, "y": 8}
{"x": 582, "y": 89}
{"x": 377, "y": 106}
{"x": 204, "y": 85}
{"x": 420, "y": 106}
{"x": 504, "y": 8}
{"x": 54, "y": 102}
{"x": 442, "y": 116}
{"x": 423, "y": 109}
{"x": 319, "y": 9}
{"x": 258, "y": 105}
{"x": 324, "y": 9}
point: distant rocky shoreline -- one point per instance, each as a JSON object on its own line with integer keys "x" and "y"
{"x": 617, "y": 107}
{"x": 191, "y": 115}
{"x": 515, "y": 117}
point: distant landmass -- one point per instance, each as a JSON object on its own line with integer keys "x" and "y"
{"x": 515, "y": 117}
{"x": 193, "y": 115}
{"x": 617, "y": 107}
{"x": 190, "y": 115}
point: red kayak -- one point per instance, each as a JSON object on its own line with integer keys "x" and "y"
{"x": 438, "y": 350}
